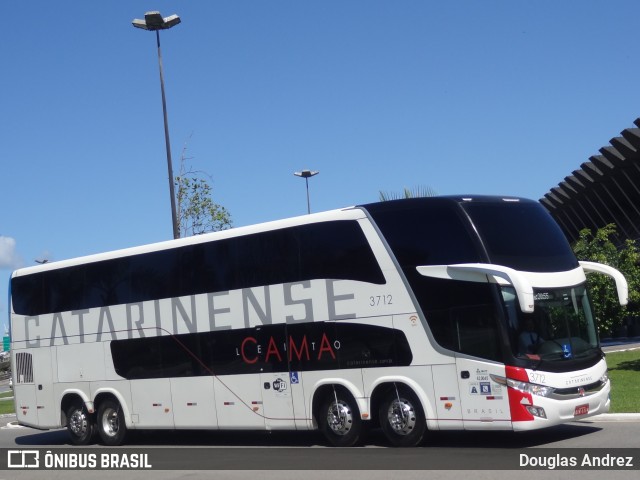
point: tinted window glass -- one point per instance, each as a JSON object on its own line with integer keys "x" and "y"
{"x": 270, "y": 348}
{"x": 333, "y": 250}
{"x": 462, "y": 316}
{"x": 425, "y": 232}
{"x": 521, "y": 235}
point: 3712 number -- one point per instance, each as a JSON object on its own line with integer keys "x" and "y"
{"x": 379, "y": 300}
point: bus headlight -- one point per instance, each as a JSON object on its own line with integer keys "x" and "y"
{"x": 526, "y": 387}
{"x": 536, "y": 389}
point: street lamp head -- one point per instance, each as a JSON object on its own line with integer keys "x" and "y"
{"x": 171, "y": 21}
{"x": 139, "y": 23}
{"x": 154, "y": 21}
{"x": 306, "y": 173}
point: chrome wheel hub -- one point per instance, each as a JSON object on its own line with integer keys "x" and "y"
{"x": 78, "y": 423}
{"x": 110, "y": 422}
{"x": 401, "y": 416}
{"x": 340, "y": 418}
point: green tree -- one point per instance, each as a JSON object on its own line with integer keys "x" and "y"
{"x": 415, "y": 192}
{"x": 196, "y": 211}
{"x": 598, "y": 247}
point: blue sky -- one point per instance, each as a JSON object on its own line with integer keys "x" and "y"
{"x": 491, "y": 97}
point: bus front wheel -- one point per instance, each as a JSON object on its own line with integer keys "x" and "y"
{"x": 110, "y": 423}
{"x": 339, "y": 419}
{"x": 79, "y": 424}
{"x": 402, "y": 418}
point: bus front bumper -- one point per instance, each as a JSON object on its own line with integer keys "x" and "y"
{"x": 543, "y": 412}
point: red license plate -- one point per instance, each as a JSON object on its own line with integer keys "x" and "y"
{"x": 581, "y": 410}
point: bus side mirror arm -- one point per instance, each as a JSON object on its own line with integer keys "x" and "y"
{"x": 478, "y": 272}
{"x": 621, "y": 283}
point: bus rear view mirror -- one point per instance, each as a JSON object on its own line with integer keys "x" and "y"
{"x": 485, "y": 272}
{"x": 621, "y": 283}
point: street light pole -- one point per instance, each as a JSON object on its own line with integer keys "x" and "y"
{"x": 306, "y": 174}
{"x": 153, "y": 21}
{"x": 174, "y": 216}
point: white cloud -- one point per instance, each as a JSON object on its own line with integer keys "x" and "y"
{"x": 8, "y": 256}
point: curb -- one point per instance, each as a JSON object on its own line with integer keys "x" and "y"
{"x": 614, "y": 417}
{"x": 619, "y": 348}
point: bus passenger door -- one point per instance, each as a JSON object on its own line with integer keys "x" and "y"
{"x": 485, "y": 403}
{"x": 275, "y": 382}
{"x": 277, "y": 393}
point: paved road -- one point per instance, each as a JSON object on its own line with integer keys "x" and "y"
{"x": 620, "y": 346}
{"x": 292, "y": 455}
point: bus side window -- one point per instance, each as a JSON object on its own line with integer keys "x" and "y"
{"x": 477, "y": 331}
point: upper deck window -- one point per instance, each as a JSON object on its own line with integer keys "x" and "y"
{"x": 335, "y": 250}
{"x": 521, "y": 235}
{"x": 426, "y": 231}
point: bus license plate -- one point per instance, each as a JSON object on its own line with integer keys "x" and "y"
{"x": 581, "y": 410}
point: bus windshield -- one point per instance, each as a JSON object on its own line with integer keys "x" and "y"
{"x": 561, "y": 328}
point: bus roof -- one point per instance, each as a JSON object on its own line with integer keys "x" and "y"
{"x": 347, "y": 213}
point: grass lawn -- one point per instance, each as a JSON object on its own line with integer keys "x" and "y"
{"x": 624, "y": 372}
{"x": 6, "y": 403}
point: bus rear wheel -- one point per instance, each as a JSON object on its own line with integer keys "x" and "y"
{"x": 339, "y": 419}
{"x": 79, "y": 424}
{"x": 402, "y": 418}
{"x": 110, "y": 423}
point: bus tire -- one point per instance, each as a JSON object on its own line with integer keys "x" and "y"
{"x": 79, "y": 424}
{"x": 339, "y": 419}
{"x": 402, "y": 418}
{"x": 110, "y": 423}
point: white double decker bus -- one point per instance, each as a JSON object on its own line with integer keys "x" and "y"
{"x": 412, "y": 315}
